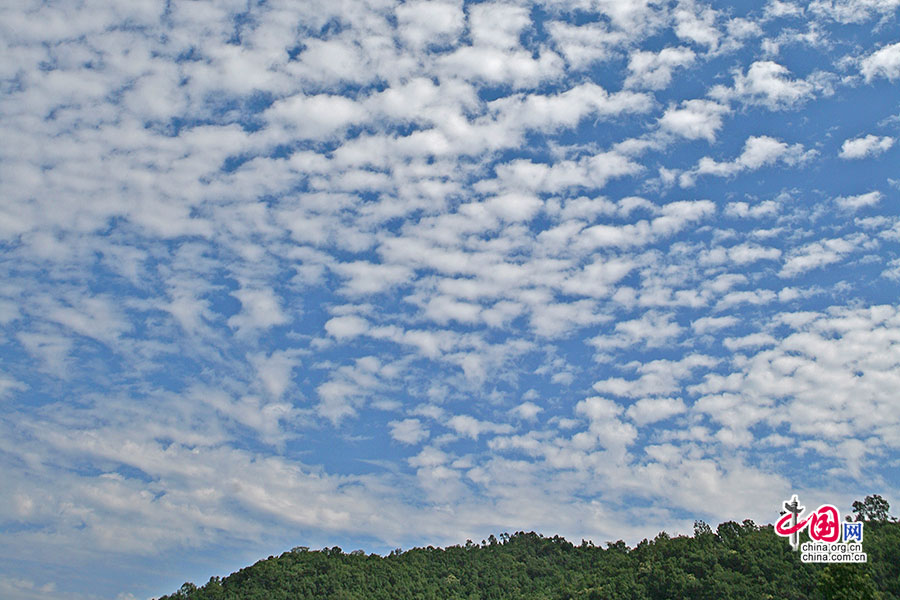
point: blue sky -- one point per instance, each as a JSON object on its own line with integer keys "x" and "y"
{"x": 379, "y": 274}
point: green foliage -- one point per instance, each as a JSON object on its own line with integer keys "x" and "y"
{"x": 847, "y": 582}
{"x": 873, "y": 508}
{"x": 736, "y": 562}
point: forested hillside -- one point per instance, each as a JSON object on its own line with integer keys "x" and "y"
{"x": 736, "y": 561}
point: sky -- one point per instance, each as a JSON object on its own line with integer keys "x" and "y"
{"x": 386, "y": 274}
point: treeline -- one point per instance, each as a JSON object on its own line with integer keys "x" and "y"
{"x": 736, "y": 561}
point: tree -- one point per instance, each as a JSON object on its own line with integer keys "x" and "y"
{"x": 847, "y": 582}
{"x": 701, "y": 528}
{"x": 186, "y": 591}
{"x": 873, "y": 508}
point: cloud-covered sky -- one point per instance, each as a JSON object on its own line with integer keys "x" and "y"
{"x": 380, "y": 274}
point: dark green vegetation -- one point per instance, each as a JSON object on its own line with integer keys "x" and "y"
{"x": 737, "y": 561}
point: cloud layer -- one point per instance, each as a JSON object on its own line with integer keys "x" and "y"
{"x": 371, "y": 273}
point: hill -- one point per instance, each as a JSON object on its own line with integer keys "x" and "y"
{"x": 737, "y": 561}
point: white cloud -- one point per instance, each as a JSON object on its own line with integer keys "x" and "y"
{"x": 473, "y": 428}
{"x": 348, "y": 326}
{"x": 651, "y": 410}
{"x": 763, "y": 150}
{"x": 498, "y": 65}
{"x": 596, "y": 408}
{"x": 657, "y": 377}
{"x": 263, "y": 418}
{"x": 637, "y": 18}
{"x": 695, "y": 119}
{"x": 274, "y": 371}
{"x": 769, "y": 84}
{"x": 527, "y": 410}
{"x": 840, "y": 349}
{"x": 260, "y": 309}
{"x": 425, "y": 23}
{"x": 53, "y": 350}
{"x": 554, "y": 319}
{"x": 853, "y": 11}
{"x": 675, "y": 217}
{"x": 566, "y": 109}
{"x": 363, "y": 277}
{"x": 8, "y": 386}
{"x": 404, "y": 199}
{"x": 16, "y": 588}
{"x": 758, "y": 152}
{"x": 331, "y": 62}
{"x": 315, "y": 117}
{"x": 497, "y": 24}
{"x": 696, "y": 23}
{"x": 751, "y": 297}
{"x": 585, "y": 44}
{"x": 869, "y": 145}
{"x": 708, "y": 324}
{"x": 408, "y": 431}
{"x": 654, "y": 70}
{"x": 187, "y": 305}
{"x": 816, "y": 255}
{"x": 739, "y": 29}
{"x": 95, "y": 317}
{"x": 653, "y": 329}
{"x": 745, "y": 210}
{"x": 746, "y": 253}
{"x": 443, "y": 309}
{"x": 598, "y": 278}
{"x": 779, "y": 8}
{"x": 884, "y": 62}
{"x": 753, "y": 340}
{"x": 605, "y": 429}
{"x": 349, "y": 386}
{"x": 859, "y": 201}
{"x": 592, "y": 171}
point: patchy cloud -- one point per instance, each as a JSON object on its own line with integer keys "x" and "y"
{"x": 759, "y": 151}
{"x": 869, "y": 145}
{"x": 654, "y": 70}
{"x": 369, "y": 274}
{"x": 694, "y": 119}
{"x": 884, "y": 62}
{"x": 408, "y": 431}
{"x": 769, "y": 84}
{"x": 860, "y": 200}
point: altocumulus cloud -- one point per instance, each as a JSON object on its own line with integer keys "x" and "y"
{"x": 369, "y": 274}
